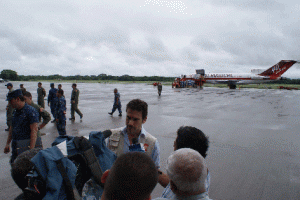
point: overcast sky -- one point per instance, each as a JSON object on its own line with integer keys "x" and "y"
{"x": 147, "y": 38}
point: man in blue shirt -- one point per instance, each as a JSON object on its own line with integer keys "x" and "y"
{"x": 52, "y": 100}
{"x": 117, "y": 103}
{"x": 60, "y": 112}
{"x": 24, "y": 123}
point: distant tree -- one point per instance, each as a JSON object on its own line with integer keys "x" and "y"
{"x": 23, "y": 78}
{"x": 9, "y": 74}
{"x": 126, "y": 78}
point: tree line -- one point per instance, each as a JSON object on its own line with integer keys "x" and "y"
{"x": 13, "y": 76}
{"x": 288, "y": 81}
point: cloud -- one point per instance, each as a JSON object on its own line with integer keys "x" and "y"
{"x": 251, "y": 4}
{"x": 8, "y": 52}
{"x": 146, "y": 37}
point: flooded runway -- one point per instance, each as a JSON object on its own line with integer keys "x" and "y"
{"x": 254, "y": 137}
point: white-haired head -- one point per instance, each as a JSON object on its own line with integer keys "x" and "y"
{"x": 187, "y": 170}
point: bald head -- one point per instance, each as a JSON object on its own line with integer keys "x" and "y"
{"x": 187, "y": 171}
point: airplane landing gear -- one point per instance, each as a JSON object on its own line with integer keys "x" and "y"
{"x": 232, "y": 86}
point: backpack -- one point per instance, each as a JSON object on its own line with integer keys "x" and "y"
{"x": 61, "y": 171}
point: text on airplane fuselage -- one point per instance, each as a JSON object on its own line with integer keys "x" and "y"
{"x": 219, "y": 76}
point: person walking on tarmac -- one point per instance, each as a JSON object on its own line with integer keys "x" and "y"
{"x": 22, "y": 88}
{"x": 74, "y": 103}
{"x": 60, "y": 113}
{"x": 52, "y": 100}
{"x": 117, "y": 103}
{"x": 159, "y": 89}
{"x": 9, "y": 108}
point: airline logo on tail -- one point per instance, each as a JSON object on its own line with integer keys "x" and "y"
{"x": 278, "y": 69}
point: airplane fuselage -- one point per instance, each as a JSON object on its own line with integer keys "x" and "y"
{"x": 239, "y": 78}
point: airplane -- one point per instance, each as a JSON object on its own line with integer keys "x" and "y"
{"x": 255, "y": 77}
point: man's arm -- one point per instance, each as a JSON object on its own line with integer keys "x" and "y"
{"x": 43, "y": 92}
{"x": 163, "y": 178}
{"x": 117, "y": 100}
{"x": 46, "y": 117}
{"x": 76, "y": 96}
{"x": 156, "y": 155}
{"x": 9, "y": 138}
{"x": 49, "y": 98}
{"x": 57, "y": 110}
{"x": 73, "y": 96}
{"x": 33, "y": 134}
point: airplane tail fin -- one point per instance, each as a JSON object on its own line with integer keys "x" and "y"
{"x": 277, "y": 70}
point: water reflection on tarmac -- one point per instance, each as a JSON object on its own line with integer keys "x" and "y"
{"x": 254, "y": 134}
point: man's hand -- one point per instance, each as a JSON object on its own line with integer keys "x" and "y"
{"x": 9, "y": 139}
{"x": 42, "y": 126}
{"x": 163, "y": 179}
{"x": 7, "y": 149}
{"x": 48, "y": 104}
{"x": 41, "y": 109}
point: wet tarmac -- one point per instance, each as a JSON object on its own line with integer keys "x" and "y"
{"x": 254, "y": 137}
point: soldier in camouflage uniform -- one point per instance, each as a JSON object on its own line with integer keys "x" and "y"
{"x": 42, "y": 112}
{"x": 41, "y": 95}
{"x": 74, "y": 102}
{"x": 60, "y": 113}
{"x": 159, "y": 89}
{"x": 22, "y": 89}
{"x": 9, "y": 108}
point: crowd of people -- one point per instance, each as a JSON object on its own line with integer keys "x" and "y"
{"x": 23, "y": 115}
{"x": 134, "y": 174}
